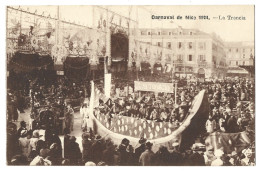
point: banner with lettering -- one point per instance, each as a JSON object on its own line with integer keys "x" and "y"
{"x": 153, "y": 86}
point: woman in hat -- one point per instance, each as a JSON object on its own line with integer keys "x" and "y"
{"x": 247, "y": 161}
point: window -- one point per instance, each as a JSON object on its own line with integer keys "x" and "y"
{"x": 170, "y": 33}
{"x": 169, "y": 45}
{"x": 191, "y": 33}
{"x": 202, "y": 45}
{"x": 159, "y": 44}
{"x": 236, "y": 50}
{"x": 237, "y": 63}
{"x": 159, "y": 33}
{"x": 149, "y": 33}
{"x": 180, "y": 45}
{"x": 179, "y": 57}
{"x": 243, "y": 62}
{"x": 190, "y": 58}
{"x": 190, "y": 45}
{"x": 244, "y": 55}
{"x": 202, "y": 58}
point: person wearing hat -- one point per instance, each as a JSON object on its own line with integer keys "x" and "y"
{"x": 96, "y": 149}
{"x": 108, "y": 153}
{"x": 209, "y": 155}
{"x": 148, "y": 156}
{"x": 211, "y": 125}
{"x": 86, "y": 145}
{"x": 69, "y": 117}
{"x": 218, "y": 161}
{"x": 163, "y": 157}
{"x": 22, "y": 127}
{"x": 176, "y": 156}
{"x": 247, "y": 161}
{"x": 34, "y": 140}
{"x": 123, "y": 154}
{"x": 139, "y": 150}
{"x": 234, "y": 159}
{"x": 24, "y": 143}
{"x": 196, "y": 158}
{"x": 74, "y": 154}
{"x": 90, "y": 163}
{"x": 41, "y": 159}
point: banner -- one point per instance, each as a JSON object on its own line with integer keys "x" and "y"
{"x": 154, "y": 87}
{"x": 228, "y": 141}
{"x": 107, "y": 85}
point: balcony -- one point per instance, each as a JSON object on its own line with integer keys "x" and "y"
{"x": 178, "y": 61}
{"x": 202, "y": 63}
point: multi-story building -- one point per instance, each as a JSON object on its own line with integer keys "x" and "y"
{"x": 191, "y": 51}
{"x": 239, "y": 55}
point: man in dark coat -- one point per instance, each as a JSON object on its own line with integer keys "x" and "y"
{"x": 96, "y": 150}
{"x": 74, "y": 151}
{"x": 139, "y": 150}
{"x": 108, "y": 154}
{"x": 163, "y": 157}
{"x": 66, "y": 142}
{"x": 22, "y": 127}
{"x": 196, "y": 158}
{"x": 86, "y": 145}
{"x": 123, "y": 154}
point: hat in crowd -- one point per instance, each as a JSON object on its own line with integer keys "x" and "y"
{"x": 125, "y": 141}
{"x": 90, "y": 163}
{"x": 198, "y": 147}
{"x": 175, "y": 144}
{"x": 73, "y": 138}
{"x": 149, "y": 144}
{"x": 142, "y": 140}
{"x": 86, "y": 136}
{"x": 218, "y": 153}
{"x": 36, "y": 134}
{"x": 101, "y": 163}
{"x": 98, "y": 138}
{"x": 24, "y": 133}
{"x": 22, "y": 123}
{"x": 234, "y": 153}
{"x": 44, "y": 152}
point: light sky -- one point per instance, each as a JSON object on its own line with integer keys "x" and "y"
{"x": 228, "y": 30}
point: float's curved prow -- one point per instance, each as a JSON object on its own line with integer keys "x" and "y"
{"x": 175, "y": 136}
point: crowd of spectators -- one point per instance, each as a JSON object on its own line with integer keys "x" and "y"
{"x": 231, "y": 110}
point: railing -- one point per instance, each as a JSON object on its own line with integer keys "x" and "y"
{"x": 202, "y": 63}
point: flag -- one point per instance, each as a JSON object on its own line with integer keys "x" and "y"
{"x": 196, "y": 120}
{"x": 228, "y": 141}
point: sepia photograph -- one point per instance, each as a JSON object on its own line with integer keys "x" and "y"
{"x": 130, "y": 85}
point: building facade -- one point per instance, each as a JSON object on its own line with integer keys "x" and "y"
{"x": 190, "y": 51}
{"x": 240, "y": 57}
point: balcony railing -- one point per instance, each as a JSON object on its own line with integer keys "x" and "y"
{"x": 202, "y": 63}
